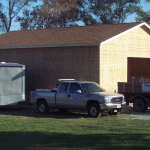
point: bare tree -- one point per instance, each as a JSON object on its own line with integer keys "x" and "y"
{"x": 13, "y": 8}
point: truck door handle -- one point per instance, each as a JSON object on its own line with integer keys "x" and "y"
{"x": 68, "y": 95}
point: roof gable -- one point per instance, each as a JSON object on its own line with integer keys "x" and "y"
{"x": 137, "y": 26}
{"x": 70, "y": 36}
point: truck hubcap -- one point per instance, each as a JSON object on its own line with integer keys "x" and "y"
{"x": 93, "y": 111}
{"x": 139, "y": 105}
{"x": 42, "y": 108}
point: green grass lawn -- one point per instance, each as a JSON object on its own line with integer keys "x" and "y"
{"x": 26, "y": 129}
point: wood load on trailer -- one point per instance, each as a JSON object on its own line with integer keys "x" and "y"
{"x": 137, "y": 91}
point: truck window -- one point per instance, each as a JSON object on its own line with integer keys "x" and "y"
{"x": 91, "y": 87}
{"x": 74, "y": 87}
{"x": 64, "y": 87}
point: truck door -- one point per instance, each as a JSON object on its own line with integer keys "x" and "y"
{"x": 70, "y": 98}
{"x": 76, "y": 96}
{"x": 62, "y": 95}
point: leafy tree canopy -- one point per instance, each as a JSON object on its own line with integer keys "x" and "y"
{"x": 64, "y": 13}
{"x": 52, "y": 13}
{"x": 112, "y": 11}
{"x": 143, "y": 16}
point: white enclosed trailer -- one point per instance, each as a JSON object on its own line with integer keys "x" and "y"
{"x": 12, "y": 83}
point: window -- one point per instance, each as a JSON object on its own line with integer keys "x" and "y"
{"x": 91, "y": 87}
{"x": 74, "y": 87}
{"x": 64, "y": 87}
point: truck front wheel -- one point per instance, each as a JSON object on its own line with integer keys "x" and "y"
{"x": 139, "y": 105}
{"x": 42, "y": 107}
{"x": 94, "y": 110}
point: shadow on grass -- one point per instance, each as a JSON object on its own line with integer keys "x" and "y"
{"x": 55, "y": 141}
{"x": 30, "y": 112}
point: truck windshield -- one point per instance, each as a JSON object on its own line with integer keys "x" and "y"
{"x": 91, "y": 87}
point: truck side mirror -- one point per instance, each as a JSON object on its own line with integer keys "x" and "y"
{"x": 79, "y": 91}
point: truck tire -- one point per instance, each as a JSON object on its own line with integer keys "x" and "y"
{"x": 139, "y": 105}
{"x": 42, "y": 107}
{"x": 63, "y": 110}
{"x": 94, "y": 110}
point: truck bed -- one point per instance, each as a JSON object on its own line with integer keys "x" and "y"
{"x": 136, "y": 85}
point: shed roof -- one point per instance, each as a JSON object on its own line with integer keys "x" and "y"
{"x": 69, "y": 36}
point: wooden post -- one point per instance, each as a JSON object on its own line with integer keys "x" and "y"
{"x": 126, "y": 99}
{"x": 133, "y": 84}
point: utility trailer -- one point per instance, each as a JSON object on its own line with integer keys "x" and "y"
{"x": 137, "y": 91}
{"x": 12, "y": 83}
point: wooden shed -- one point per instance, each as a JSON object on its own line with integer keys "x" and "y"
{"x": 106, "y": 54}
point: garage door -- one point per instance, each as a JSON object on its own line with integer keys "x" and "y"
{"x": 138, "y": 67}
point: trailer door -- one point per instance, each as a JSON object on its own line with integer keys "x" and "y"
{"x": 12, "y": 84}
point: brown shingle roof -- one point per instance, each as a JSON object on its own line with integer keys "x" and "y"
{"x": 69, "y": 35}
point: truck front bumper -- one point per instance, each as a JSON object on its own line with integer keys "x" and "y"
{"x": 112, "y": 106}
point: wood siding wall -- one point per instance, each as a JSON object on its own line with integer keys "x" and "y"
{"x": 46, "y": 65}
{"x": 114, "y": 56}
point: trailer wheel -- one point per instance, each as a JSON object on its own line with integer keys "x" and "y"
{"x": 94, "y": 110}
{"x": 139, "y": 105}
{"x": 42, "y": 107}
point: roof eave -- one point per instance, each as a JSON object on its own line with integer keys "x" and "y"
{"x": 114, "y": 37}
{"x": 55, "y": 45}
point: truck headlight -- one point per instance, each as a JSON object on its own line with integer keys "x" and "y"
{"x": 104, "y": 99}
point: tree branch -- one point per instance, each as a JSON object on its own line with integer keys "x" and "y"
{"x": 20, "y": 9}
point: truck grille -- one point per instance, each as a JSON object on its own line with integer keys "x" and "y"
{"x": 116, "y": 100}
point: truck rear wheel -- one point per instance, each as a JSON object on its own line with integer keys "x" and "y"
{"x": 42, "y": 107}
{"x": 139, "y": 105}
{"x": 94, "y": 110}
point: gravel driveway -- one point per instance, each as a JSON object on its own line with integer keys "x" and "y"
{"x": 129, "y": 111}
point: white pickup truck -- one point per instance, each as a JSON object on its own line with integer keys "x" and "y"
{"x": 79, "y": 95}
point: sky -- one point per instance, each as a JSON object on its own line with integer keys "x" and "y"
{"x": 146, "y": 7}
{"x": 131, "y": 18}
